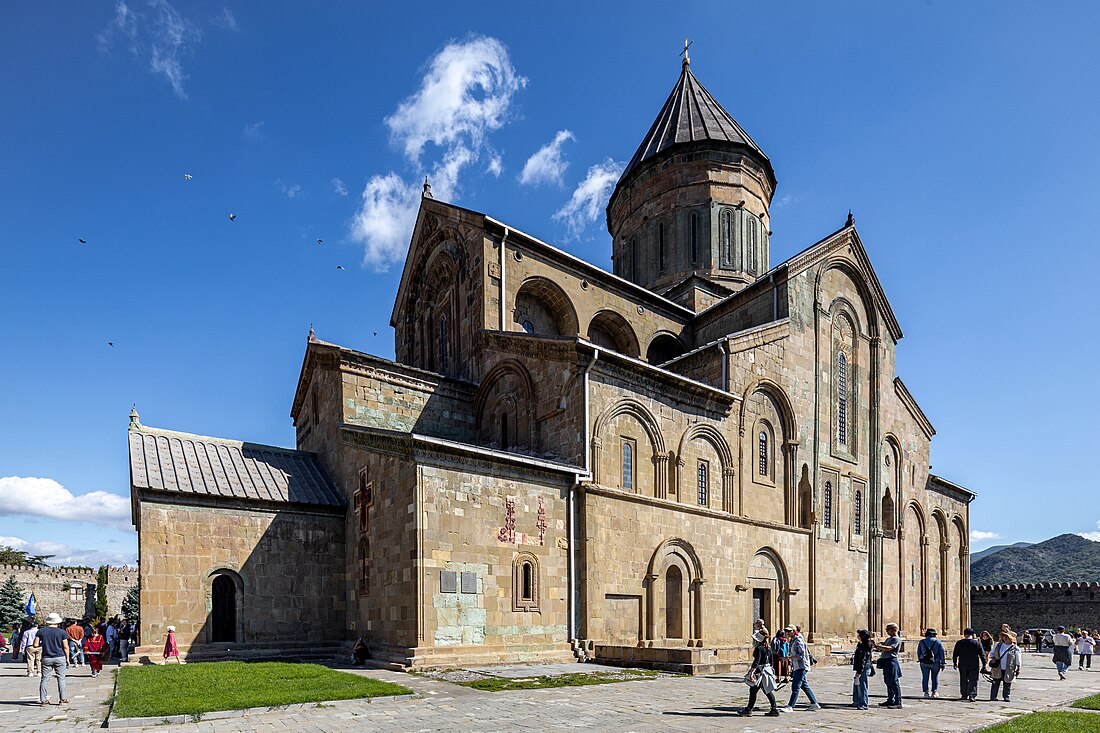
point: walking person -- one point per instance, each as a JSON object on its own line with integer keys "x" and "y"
{"x": 31, "y": 651}
{"x": 93, "y": 649}
{"x": 864, "y": 668}
{"x": 16, "y": 639}
{"x": 761, "y": 676}
{"x": 932, "y": 660}
{"x": 779, "y": 655}
{"x": 969, "y": 658}
{"x": 800, "y": 668}
{"x": 54, "y": 643}
{"x": 75, "y": 633}
{"x": 986, "y": 639}
{"x": 1025, "y": 640}
{"x": 1063, "y": 651}
{"x": 124, "y": 641}
{"x": 891, "y": 668}
{"x": 1085, "y": 647}
{"x": 1004, "y": 665}
{"x": 170, "y": 647}
{"x": 111, "y": 637}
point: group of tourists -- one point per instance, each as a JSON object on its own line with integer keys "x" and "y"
{"x": 62, "y": 644}
{"x": 786, "y": 657}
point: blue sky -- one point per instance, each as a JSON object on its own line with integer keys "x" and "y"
{"x": 964, "y": 139}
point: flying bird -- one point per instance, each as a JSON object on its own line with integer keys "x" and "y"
{"x": 111, "y": 344}
{"x": 232, "y": 217}
{"x": 187, "y": 176}
{"x": 339, "y": 267}
{"x": 82, "y": 241}
{"x": 375, "y": 333}
{"x": 320, "y": 241}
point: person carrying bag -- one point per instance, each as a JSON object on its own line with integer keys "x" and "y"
{"x": 761, "y": 676}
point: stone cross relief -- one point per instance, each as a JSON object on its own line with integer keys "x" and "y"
{"x": 508, "y": 534}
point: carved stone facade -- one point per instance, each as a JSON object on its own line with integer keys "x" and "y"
{"x": 634, "y": 466}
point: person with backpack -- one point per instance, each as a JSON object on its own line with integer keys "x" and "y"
{"x": 1063, "y": 651}
{"x": 801, "y": 661}
{"x": 780, "y": 650}
{"x": 932, "y": 661}
{"x": 1004, "y": 665}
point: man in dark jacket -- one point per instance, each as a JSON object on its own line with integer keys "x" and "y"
{"x": 968, "y": 657}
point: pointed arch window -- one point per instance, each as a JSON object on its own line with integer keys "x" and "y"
{"x": 888, "y": 513}
{"x": 694, "y": 238}
{"x": 827, "y": 505}
{"x": 762, "y": 451}
{"x": 842, "y": 398}
{"x": 443, "y": 344}
{"x": 661, "y": 247}
{"x": 703, "y": 481}
{"x": 858, "y": 510}
{"x": 628, "y": 464}
{"x": 752, "y": 245}
{"x": 727, "y": 235}
{"x": 525, "y": 582}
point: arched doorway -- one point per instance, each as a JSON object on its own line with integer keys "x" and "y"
{"x": 223, "y": 609}
{"x": 767, "y": 579}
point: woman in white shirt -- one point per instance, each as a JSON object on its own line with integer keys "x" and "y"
{"x": 1004, "y": 665}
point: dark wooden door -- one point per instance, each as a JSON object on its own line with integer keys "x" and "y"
{"x": 761, "y": 606}
{"x": 223, "y": 611}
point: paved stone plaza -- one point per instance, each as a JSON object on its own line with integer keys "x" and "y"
{"x": 667, "y": 704}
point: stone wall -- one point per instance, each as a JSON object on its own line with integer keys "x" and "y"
{"x": 1035, "y": 605}
{"x": 54, "y": 589}
{"x": 287, "y": 567}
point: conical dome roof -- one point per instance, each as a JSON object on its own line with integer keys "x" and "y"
{"x": 692, "y": 115}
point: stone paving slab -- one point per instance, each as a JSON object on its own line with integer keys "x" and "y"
{"x": 677, "y": 704}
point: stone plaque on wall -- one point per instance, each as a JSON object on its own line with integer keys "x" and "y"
{"x": 469, "y": 582}
{"x": 448, "y": 581}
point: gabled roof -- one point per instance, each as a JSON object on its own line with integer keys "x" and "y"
{"x": 182, "y": 463}
{"x": 691, "y": 115}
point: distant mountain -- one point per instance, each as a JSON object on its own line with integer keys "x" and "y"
{"x": 976, "y": 556}
{"x": 1063, "y": 559}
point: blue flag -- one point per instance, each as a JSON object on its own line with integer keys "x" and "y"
{"x": 32, "y": 605}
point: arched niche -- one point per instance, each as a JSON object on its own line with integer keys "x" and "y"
{"x": 612, "y": 331}
{"x": 674, "y": 604}
{"x": 664, "y": 347}
{"x": 768, "y": 582}
{"x": 542, "y": 308}
{"x": 225, "y": 590}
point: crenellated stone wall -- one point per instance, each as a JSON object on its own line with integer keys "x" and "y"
{"x": 69, "y": 591}
{"x": 1035, "y": 605}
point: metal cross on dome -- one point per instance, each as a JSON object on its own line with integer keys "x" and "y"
{"x": 684, "y": 53}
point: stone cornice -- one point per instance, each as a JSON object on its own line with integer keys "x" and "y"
{"x": 620, "y": 495}
{"x": 189, "y": 500}
{"x": 941, "y": 485}
{"x": 914, "y": 409}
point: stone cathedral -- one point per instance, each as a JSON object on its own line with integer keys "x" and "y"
{"x": 563, "y": 462}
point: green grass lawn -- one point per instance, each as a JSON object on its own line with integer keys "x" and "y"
{"x": 576, "y": 679}
{"x": 1049, "y": 723}
{"x": 154, "y": 691}
{"x": 1088, "y": 703}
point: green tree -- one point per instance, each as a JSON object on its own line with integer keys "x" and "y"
{"x": 11, "y": 556}
{"x": 12, "y": 601}
{"x": 131, "y": 605}
{"x": 101, "y": 592}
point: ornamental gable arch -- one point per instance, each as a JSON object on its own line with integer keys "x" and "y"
{"x": 628, "y": 450}
{"x": 505, "y": 408}
{"x": 767, "y": 455}
{"x": 704, "y": 469}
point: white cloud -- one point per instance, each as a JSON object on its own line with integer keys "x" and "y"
{"x": 339, "y": 188}
{"x": 977, "y": 535}
{"x": 496, "y": 166}
{"x": 547, "y": 165}
{"x": 292, "y": 190}
{"x": 67, "y": 555}
{"x": 44, "y": 497}
{"x": 254, "y": 130}
{"x": 225, "y": 20}
{"x": 158, "y": 33}
{"x": 465, "y": 94}
{"x": 590, "y": 197}
{"x": 1094, "y": 536}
